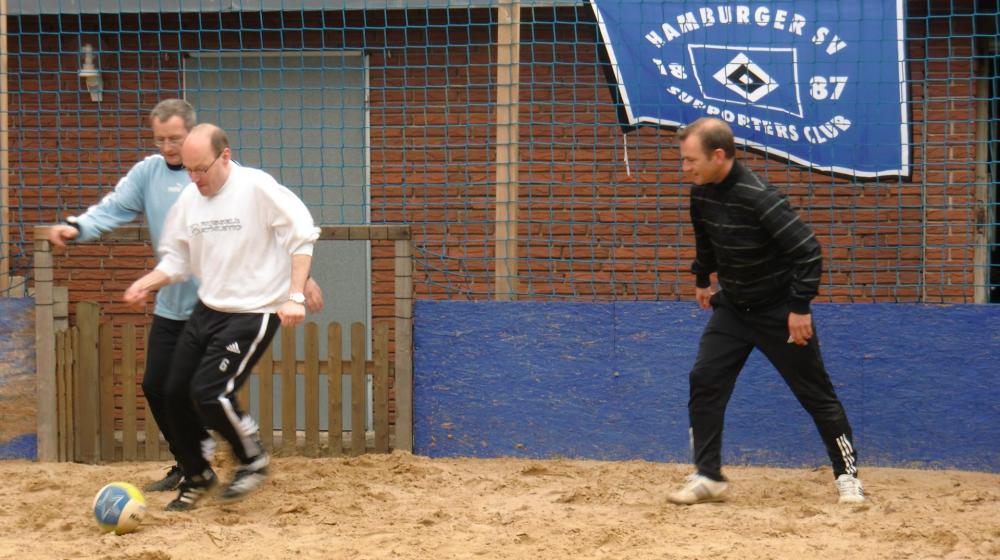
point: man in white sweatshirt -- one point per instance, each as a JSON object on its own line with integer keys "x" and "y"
{"x": 150, "y": 189}
{"x": 249, "y": 240}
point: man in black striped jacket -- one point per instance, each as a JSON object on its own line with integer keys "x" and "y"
{"x": 768, "y": 264}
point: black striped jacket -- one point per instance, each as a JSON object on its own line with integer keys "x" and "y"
{"x": 747, "y": 232}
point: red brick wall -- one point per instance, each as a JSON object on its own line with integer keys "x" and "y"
{"x": 590, "y": 226}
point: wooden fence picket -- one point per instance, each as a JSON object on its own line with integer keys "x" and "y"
{"x": 288, "y": 369}
{"x": 357, "y": 388}
{"x": 64, "y": 393}
{"x": 105, "y": 352}
{"x": 128, "y": 377}
{"x": 380, "y": 388}
{"x": 265, "y": 394}
{"x": 335, "y": 390}
{"x": 311, "y": 383}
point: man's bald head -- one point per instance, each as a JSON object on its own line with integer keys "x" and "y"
{"x": 714, "y": 134}
{"x": 209, "y": 135}
{"x": 206, "y": 157}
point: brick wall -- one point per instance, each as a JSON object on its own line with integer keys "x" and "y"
{"x": 591, "y": 226}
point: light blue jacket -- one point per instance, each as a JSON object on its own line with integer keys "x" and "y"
{"x": 150, "y": 188}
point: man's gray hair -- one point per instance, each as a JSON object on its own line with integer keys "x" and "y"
{"x": 169, "y": 108}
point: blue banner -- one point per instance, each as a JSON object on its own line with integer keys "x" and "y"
{"x": 819, "y": 83}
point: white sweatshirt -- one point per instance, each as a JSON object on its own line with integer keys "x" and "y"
{"x": 238, "y": 242}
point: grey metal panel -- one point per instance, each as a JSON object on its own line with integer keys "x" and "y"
{"x": 28, "y": 7}
{"x": 300, "y": 116}
{"x": 24, "y": 7}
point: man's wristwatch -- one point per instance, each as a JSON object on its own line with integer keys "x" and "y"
{"x": 72, "y": 221}
{"x": 297, "y": 297}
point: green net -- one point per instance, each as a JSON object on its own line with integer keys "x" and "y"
{"x": 436, "y": 114}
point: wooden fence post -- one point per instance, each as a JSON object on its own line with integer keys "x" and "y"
{"x": 404, "y": 345}
{"x": 60, "y": 308}
{"x": 87, "y": 395}
{"x": 45, "y": 351}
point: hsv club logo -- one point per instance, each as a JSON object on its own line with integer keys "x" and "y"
{"x": 821, "y": 84}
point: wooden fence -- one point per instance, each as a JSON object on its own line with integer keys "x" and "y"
{"x": 89, "y": 411}
{"x": 115, "y": 424}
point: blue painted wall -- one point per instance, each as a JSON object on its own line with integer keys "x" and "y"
{"x": 17, "y": 378}
{"x": 921, "y": 384}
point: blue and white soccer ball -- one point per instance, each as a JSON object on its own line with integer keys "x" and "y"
{"x": 119, "y": 507}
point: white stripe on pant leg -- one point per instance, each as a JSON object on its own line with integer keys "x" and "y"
{"x": 691, "y": 442}
{"x": 208, "y": 448}
{"x": 249, "y": 425}
{"x": 249, "y": 445}
{"x": 231, "y": 384}
{"x": 851, "y": 465}
{"x": 847, "y": 453}
{"x": 848, "y": 459}
{"x": 847, "y": 444}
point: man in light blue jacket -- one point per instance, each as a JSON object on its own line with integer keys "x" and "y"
{"x": 151, "y": 187}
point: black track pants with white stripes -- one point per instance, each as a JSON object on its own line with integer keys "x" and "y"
{"x": 726, "y": 343}
{"x": 214, "y": 357}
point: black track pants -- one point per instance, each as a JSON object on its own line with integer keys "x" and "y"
{"x": 726, "y": 343}
{"x": 214, "y": 357}
{"x": 163, "y": 336}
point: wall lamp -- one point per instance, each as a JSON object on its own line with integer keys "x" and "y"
{"x": 90, "y": 73}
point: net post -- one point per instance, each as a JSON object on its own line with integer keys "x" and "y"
{"x": 508, "y": 90}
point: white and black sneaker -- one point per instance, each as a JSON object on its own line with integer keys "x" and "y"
{"x": 168, "y": 483}
{"x": 850, "y": 489}
{"x": 247, "y": 479}
{"x": 699, "y": 489}
{"x": 192, "y": 490}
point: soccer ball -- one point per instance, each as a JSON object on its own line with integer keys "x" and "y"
{"x": 119, "y": 507}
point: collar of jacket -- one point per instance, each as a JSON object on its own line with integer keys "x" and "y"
{"x": 731, "y": 178}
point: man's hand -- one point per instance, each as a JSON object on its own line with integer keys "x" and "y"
{"x": 136, "y": 294}
{"x": 314, "y": 296}
{"x": 800, "y": 328}
{"x": 291, "y": 313}
{"x": 59, "y": 234}
{"x": 703, "y": 295}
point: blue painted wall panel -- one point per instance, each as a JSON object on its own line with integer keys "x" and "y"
{"x": 609, "y": 381}
{"x": 17, "y": 378}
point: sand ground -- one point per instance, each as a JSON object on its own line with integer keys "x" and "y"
{"x": 405, "y": 506}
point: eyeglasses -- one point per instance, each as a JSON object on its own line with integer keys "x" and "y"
{"x": 173, "y": 141}
{"x": 203, "y": 170}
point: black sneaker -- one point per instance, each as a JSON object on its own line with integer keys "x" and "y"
{"x": 192, "y": 490}
{"x": 168, "y": 483}
{"x": 247, "y": 479}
